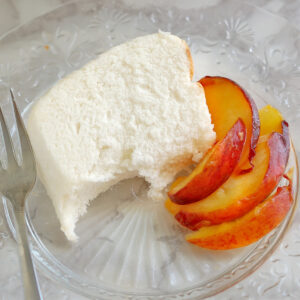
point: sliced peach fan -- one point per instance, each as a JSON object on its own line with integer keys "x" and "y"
{"x": 226, "y": 199}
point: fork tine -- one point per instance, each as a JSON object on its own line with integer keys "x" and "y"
{"x": 11, "y": 158}
{"x": 23, "y": 136}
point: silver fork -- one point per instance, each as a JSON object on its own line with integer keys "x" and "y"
{"x": 16, "y": 182}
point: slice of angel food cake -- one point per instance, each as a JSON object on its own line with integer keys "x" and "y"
{"x": 133, "y": 111}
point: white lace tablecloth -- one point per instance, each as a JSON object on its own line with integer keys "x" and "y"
{"x": 278, "y": 278}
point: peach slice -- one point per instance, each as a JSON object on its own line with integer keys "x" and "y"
{"x": 214, "y": 169}
{"x": 241, "y": 192}
{"x": 269, "y": 116}
{"x": 227, "y": 102}
{"x": 249, "y": 228}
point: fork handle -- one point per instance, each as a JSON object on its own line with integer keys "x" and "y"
{"x": 30, "y": 282}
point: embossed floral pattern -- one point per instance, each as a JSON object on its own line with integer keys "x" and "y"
{"x": 169, "y": 19}
{"x": 108, "y": 22}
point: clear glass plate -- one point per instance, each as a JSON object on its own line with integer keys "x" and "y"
{"x": 130, "y": 247}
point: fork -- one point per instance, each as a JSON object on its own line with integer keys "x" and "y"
{"x": 16, "y": 182}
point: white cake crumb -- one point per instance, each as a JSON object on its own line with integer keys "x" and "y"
{"x": 133, "y": 111}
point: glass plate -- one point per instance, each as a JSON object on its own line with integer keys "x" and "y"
{"x": 129, "y": 247}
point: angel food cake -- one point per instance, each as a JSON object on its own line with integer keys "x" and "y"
{"x": 133, "y": 111}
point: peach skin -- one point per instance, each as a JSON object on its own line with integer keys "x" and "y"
{"x": 214, "y": 169}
